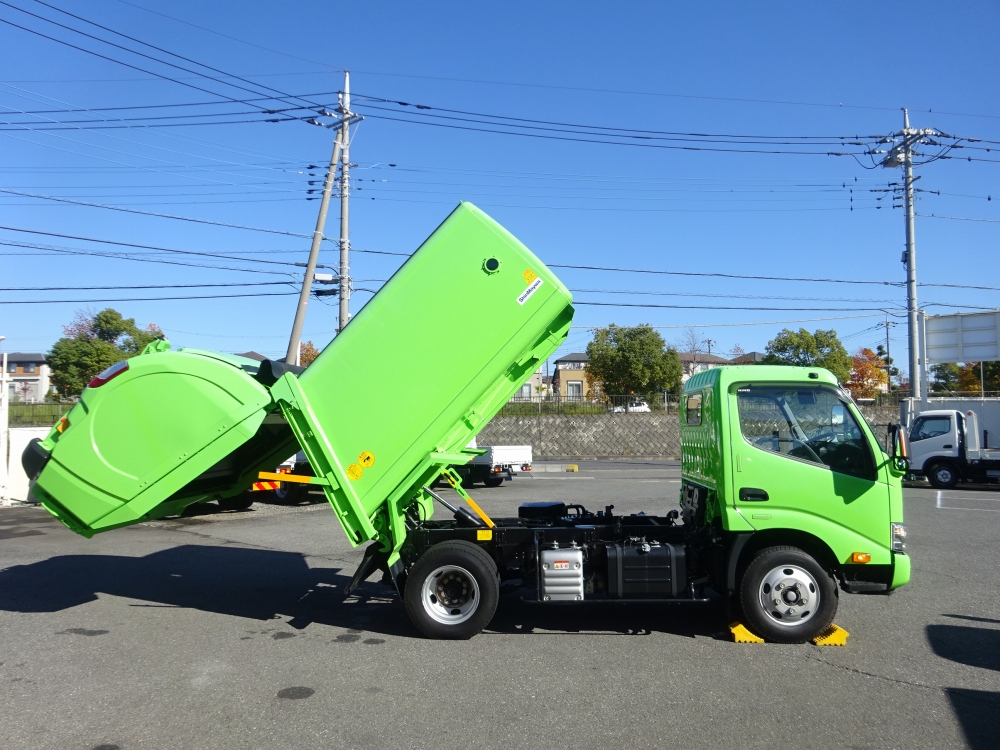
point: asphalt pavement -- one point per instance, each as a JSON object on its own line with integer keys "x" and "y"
{"x": 230, "y": 630}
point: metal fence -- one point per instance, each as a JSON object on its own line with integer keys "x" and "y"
{"x": 658, "y": 403}
{"x": 36, "y": 415}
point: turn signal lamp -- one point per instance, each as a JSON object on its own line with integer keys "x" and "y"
{"x": 112, "y": 372}
{"x": 861, "y": 557}
{"x": 61, "y": 425}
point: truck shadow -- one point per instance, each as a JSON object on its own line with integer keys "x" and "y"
{"x": 975, "y": 710}
{"x": 266, "y": 584}
{"x": 250, "y": 583}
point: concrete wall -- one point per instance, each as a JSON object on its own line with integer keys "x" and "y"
{"x": 565, "y": 436}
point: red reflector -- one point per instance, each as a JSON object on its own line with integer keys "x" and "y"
{"x": 526, "y": 467}
{"x": 115, "y": 370}
{"x": 497, "y": 469}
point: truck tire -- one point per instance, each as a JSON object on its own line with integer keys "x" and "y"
{"x": 237, "y": 502}
{"x": 807, "y": 601}
{"x": 290, "y": 493}
{"x": 942, "y": 475}
{"x": 452, "y": 591}
{"x": 493, "y": 481}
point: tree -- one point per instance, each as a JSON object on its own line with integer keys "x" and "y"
{"x": 736, "y": 352}
{"x": 92, "y": 343}
{"x": 972, "y": 380}
{"x": 691, "y": 342}
{"x": 632, "y": 360}
{"x": 892, "y": 372}
{"x": 944, "y": 377}
{"x": 804, "y": 349}
{"x": 867, "y": 374}
{"x": 307, "y": 353}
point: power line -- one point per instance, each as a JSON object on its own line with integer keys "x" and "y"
{"x": 136, "y": 286}
{"x": 158, "y": 248}
{"x": 141, "y": 299}
{"x": 153, "y": 213}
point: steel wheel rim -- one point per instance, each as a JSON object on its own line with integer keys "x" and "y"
{"x": 450, "y": 595}
{"x": 789, "y": 595}
{"x": 943, "y": 475}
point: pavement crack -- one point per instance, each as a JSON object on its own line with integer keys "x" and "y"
{"x": 971, "y": 695}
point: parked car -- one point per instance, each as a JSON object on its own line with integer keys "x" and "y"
{"x": 638, "y": 406}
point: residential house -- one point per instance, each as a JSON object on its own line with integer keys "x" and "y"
{"x": 695, "y": 362}
{"x": 532, "y": 389}
{"x": 28, "y": 377}
{"x": 570, "y": 378}
{"x": 750, "y": 358}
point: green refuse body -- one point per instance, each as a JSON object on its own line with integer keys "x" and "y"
{"x": 385, "y": 407}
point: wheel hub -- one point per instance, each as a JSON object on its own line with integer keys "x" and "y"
{"x": 789, "y": 595}
{"x": 450, "y": 594}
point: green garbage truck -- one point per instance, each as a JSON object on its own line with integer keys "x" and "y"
{"x": 786, "y": 498}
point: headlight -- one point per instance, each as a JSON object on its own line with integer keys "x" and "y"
{"x": 898, "y": 537}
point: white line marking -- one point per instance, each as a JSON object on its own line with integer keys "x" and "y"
{"x": 939, "y": 498}
{"x": 981, "y": 510}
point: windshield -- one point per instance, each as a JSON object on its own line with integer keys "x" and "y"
{"x": 811, "y": 424}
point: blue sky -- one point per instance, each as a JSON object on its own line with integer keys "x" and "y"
{"x": 727, "y": 68}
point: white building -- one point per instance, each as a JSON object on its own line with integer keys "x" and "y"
{"x": 27, "y": 377}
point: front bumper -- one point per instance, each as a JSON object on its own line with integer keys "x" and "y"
{"x": 900, "y": 570}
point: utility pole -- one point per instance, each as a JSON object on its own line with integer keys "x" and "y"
{"x": 901, "y": 155}
{"x": 4, "y": 477}
{"x": 888, "y": 357}
{"x": 346, "y": 117}
{"x": 341, "y": 153}
{"x": 292, "y": 355}
{"x": 709, "y": 342}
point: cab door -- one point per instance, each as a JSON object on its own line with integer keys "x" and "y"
{"x": 804, "y": 461}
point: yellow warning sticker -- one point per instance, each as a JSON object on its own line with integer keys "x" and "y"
{"x": 484, "y": 535}
{"x": 354, "y": 471}
{"x": 529, "y": 276}
{"x": 366, "y": 459}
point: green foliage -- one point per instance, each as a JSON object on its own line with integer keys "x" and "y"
{"x": 93, "y": 343}
{"x": 944, "y": 377}
{"x": 632, "y": 359}
{"x": 804, "y": 349}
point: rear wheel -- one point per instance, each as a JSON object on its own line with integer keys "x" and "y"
{"x": 452, "y": 590}
{"x": 291, "y": 493}
{"x": 493, "y": 481}
{"x": 787, "y": 596}
{"x": 942, "y": 475}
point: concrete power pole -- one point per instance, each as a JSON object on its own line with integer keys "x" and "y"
{"x": 911, "y": 259}
{"x": 345, "y": 192}
{"x": 901, "y": 155}
{"x": 292, "y": 355}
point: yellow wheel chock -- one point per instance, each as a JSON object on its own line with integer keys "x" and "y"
{"x": 742, "y": 635}
{"x": 832, "y": 636}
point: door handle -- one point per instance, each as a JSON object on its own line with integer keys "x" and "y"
{"x": 753, "y": 495}
{"x": 948, "y": 447}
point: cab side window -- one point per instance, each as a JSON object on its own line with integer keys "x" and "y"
{"x": 929, "y": 427}
{"x": 692, "y": 409}
{"x": 808, "y": 424}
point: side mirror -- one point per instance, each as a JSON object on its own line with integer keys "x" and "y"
{"x": 899, "y": 448}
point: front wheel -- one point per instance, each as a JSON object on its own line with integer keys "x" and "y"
{"x": 452, "y": 590}
{"x": 787, "y": 596}
{"x": 942, "y": 476}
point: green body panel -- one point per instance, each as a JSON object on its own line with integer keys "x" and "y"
{"x": 139, "y": 438}
{"x": 848, "y": 513}
{"x": 422, "y": 368}
{"x": 391, "y": 401}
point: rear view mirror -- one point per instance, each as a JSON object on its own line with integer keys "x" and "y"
{"x": 899, "y": 447}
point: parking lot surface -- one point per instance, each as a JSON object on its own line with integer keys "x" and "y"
{"x": 230, "y": 630}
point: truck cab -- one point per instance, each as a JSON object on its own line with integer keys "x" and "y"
{"x": 782, "y": 467}
{"x": 948, "y": 447}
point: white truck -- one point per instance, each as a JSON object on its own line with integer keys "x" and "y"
{"x": 494, "y": 464}
{"x": 949, "y": 446}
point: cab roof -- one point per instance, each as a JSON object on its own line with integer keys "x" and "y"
{"x": 723, "y": 377}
